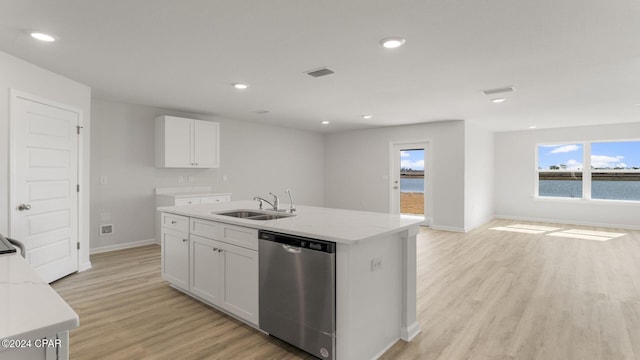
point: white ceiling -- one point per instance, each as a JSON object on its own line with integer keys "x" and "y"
{"x": 573, "y": 62}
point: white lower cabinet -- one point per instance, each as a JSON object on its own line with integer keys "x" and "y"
{"x": 216, "y": 268}
{"x": 239, "y": 287}
{"x": 205, "y": 268}
{"x": 175, "y": 257}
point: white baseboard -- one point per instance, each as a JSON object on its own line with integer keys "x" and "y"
{"x": 486, "y": 220}
{"x": 128, "y": 245}
{"x": 568, "y": 222}
{"x": 85, "y": 266}
{"x": 407, "y": 334}
{"x": 447, "y": 228}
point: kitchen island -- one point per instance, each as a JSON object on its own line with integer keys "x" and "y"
{"x": 34, "y": 320}
{"x": 375, "y": 267}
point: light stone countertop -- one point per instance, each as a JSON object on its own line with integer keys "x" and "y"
{"x": 336, "y": 225}
{"x": 29, "y": 307}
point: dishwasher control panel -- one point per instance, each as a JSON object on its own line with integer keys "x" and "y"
{"x": 298, "y": 241}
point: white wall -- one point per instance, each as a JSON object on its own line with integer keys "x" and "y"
{"x": 256, "y": 159}
{"x": 479, "y": 176}
{"x": 357, "y": 169}
{"x": 515, "y": 179}
{"x": 28, "y": 78}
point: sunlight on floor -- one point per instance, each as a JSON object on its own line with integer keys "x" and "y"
{"x": 525, "y": 228}
{"x": 588, "y": 234}
{"x": 553, "y": 231}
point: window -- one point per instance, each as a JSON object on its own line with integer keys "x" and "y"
{"x": 615, "y": 170}
{"x": 593, "y": 170}
{"x": 560, "y": 170}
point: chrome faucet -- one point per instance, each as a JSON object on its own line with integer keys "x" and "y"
{"x": 261, "y": 200}
{"x": 292, "y": 207}
{"x": 275, "y": 204}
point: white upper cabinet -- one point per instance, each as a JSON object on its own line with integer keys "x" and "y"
{"x": 187, "y": 143}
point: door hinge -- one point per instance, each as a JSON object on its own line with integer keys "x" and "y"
{"x": 78, "y": 188}
{"x": 78, "y": 128}
{"x": 78, "y": 245}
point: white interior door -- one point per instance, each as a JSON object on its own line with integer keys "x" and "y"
{"x": 44, "y": 180}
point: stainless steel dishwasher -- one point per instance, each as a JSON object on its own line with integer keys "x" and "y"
{"x": 298, "y": 291}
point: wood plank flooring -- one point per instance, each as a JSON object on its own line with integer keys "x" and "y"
{"x": 486, "y": 294}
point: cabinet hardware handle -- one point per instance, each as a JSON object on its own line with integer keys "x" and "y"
{"x": 185, "y": 240}
{"x": 219, "y": 250}
{"x": 215, "y": 249}
{"x": 173, "y": 222}
{"x": 23, "y": 207}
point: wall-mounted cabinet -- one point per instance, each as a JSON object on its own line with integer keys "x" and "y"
{"x": 187, "y": 143}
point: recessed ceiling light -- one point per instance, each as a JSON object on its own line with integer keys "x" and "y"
{"x": 42, "y": 37}
{"x": 367, "y": 116}
{"x": 498, "y": 100}
{"x": 240, "y": 86}
{"x": 392, "y": 42}
{"x": 532, "y": 127}
{"x": 324, "y": 122}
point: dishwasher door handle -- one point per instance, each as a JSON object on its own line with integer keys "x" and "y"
{"x": 291, "y": 249}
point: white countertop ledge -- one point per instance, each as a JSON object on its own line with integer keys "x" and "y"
{"x": 336, "y": 225}
{"x": 29, "y": 307}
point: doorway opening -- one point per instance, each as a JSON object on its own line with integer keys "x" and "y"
{"x": 410, "y": 180}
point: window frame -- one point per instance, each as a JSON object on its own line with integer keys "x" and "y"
{"x": 587, "y": 172}
{"x": 536, "y": 193}
{"x": 591, "y": 171}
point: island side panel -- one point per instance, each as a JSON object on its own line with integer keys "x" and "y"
{"x": 410, "y": 326}
{"x": 369, "y": 298}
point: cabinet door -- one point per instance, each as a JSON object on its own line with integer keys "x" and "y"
{"x": 177, "y": 141}
{"x": 206, "y": 144}
{"x": 175, "y": 258}
{"x": 239, "y": 291}
{"x": 205, "y": 268}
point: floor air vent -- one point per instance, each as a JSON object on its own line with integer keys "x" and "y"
{"x": 106, "y": 229}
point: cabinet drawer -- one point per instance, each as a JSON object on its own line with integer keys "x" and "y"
{"x": 206, "y": 228}
{"x": 188, "y": 201}
{"x": 175, "y": 222}
{"x": 215, "y": 199}
{"x": 241, "y": 236}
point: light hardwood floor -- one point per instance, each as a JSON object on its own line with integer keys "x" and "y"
{"x": 486, "y": 294}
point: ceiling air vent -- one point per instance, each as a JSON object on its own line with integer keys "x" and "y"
{"x": 319, "y": 72}
{"x": 499, "y": 91}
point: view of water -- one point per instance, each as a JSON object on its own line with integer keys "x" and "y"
{"x": 412, "y": 185}
{"x": 611, "y": 190}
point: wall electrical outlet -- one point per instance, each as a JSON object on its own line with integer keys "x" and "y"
{"x": 190, "y": 178}
{"x": 180, "y": 179}
{"x": 105, "y": 216}
{"x": 106, "y": 229}
{"x": 376, "y": 264}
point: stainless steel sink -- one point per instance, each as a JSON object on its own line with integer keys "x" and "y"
{"x": 254, "y": 215}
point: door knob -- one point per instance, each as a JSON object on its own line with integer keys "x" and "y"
{"x": 23, "y": 207}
